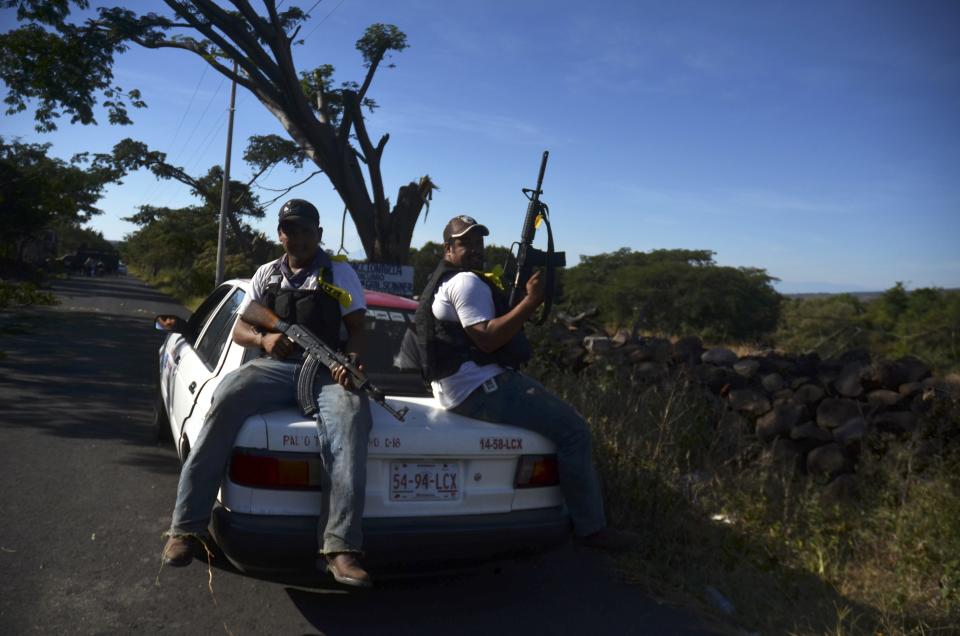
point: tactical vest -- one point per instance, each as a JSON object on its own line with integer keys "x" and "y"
{"x": 315, "y": 309}
{"x": 443, "y": 345}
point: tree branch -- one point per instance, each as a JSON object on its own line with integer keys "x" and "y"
{"x": 369, "y": 78}
{"x": 253, "y": 71}
{"x": 234, "y": 29}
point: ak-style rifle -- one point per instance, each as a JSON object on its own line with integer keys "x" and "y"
{"x": 318, "y": 353}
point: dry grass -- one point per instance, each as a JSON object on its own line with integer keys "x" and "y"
{"x": 715, "y": 513}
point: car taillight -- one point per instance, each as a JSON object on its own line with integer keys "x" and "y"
{"x": 537, "y": 471}
{"x": 263, "y": 469}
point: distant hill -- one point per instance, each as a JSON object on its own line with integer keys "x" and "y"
{"x": 863, "y": 296}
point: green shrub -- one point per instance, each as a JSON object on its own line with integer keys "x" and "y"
{"x": 23, "y": 294}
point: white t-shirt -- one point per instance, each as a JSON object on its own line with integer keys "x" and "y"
{"x": 344, "y": 277}
{"x": 465, "y": 298}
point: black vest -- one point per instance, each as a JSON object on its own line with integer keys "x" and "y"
{"x": 443, "y": 345}
{"x": 313, "y": 308}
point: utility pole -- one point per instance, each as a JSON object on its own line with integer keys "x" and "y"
{"x": 225, "y": 194}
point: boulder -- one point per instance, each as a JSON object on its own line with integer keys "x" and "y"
{"x": 799, "y": 381}
{"x": 783, "y": 394}
{"x": 857, "y": 354}
{"x": 687, "y": 350}
{"x": 807, "y": 364}
{"x": 835, "y": 412}
{"x": 719, "y": 356}
{"x": 779, "y": 421}
{"x": 914, "y": 368}
{"x": 827, "y": 460}
{"x": 779, "y": 363}
{"x": 898, "y": 422}
{"x": 851, "y": 432}
{"x": 597, "y": 344}
{"x": 772, "y": 382}
{"x": 715, "y": 378}
{"x": 747, "y": 367}
{"x": 652, "y": 350}
{"x": 749, "y": 401}
{"x": 808, "y": 393}
{"x": 883, "y": 397}
{"x": 827, "y": 374}
{"x": 908, "y": 389}
{"x": 847, "y": 382}
{"x": 809, "y": 431}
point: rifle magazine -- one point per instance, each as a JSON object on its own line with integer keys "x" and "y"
{"x": 306, "y": 376}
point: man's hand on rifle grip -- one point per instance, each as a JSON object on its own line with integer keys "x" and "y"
{"x": 342, "y": 377}
{"x": 276, "y": 345}
{"x": 536, "y": 288}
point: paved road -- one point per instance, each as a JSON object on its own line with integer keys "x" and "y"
{"x": 86, "y": 493}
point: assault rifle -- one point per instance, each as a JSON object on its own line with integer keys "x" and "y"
{"x": 529, "y": 257}
{"x": 317, "y": 353}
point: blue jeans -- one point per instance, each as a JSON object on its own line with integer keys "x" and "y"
{"x": 343, "y": 425}
{"x": 523, "y": 402}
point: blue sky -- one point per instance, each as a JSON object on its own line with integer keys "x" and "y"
{"x": 818, "y": 140}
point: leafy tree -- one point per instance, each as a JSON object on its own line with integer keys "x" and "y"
{"x": 38, "y": 192}
{"x": 922, "y": 322}
{"x": 675, "y": 292}
{"x": 67, "y": 68}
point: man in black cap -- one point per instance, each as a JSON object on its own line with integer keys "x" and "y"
{"x": 304, "y": 286}
{"x": 470, "y": 344}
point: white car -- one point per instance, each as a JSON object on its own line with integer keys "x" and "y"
{"x": 441, "y": 488}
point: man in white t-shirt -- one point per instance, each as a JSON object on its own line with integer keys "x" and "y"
{"x": 470, "y": 344}
{"x": 304, "y": 286}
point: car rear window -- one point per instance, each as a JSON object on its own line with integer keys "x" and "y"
{"x": 385, "y": 329}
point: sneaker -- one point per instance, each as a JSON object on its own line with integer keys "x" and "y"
{"x": 346, "y": 569}
{"x": 179, "y": 550}
{"x": 610, "y": 540}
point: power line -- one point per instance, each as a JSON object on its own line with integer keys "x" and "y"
{"x": 183, "y": 118}
{"x": 313, "y": 30}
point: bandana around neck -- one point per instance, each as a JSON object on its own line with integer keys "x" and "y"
{"x": 297, "y": 280}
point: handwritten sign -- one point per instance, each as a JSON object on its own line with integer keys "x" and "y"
{"x": 392, "y": 279}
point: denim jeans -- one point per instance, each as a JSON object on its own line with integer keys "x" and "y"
{"x": 523, "y": 402}
{"x": 343, "y": 425}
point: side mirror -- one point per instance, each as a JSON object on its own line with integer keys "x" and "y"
{"x": 171, "y": 323}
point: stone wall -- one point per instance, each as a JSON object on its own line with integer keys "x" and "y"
{"x": 808, "y": 412}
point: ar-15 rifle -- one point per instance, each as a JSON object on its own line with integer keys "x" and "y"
{"x": 317, "y": 353}
{"x": 529, "y": 257}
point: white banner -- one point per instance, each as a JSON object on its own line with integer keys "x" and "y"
{"x": 392, "y": 279}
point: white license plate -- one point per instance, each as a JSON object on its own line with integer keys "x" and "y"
{"x": 424, "y": 481}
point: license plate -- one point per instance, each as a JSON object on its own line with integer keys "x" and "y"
{"x": 424, "y": 481}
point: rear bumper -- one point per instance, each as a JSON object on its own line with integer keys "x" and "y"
{"x": 261, "y": 542}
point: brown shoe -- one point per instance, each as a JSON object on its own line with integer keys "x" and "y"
{"x": 346, "y": 570}
{"x": 179, "y": 550}
{"x": 610, "y": 540}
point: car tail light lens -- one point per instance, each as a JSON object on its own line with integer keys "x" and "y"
{"x": 286, "y": 471}
{"x": 537, "y": 471}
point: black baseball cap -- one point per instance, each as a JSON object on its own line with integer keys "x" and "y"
{"x": 299, "y": 210}
{"x": 460, "y": 225}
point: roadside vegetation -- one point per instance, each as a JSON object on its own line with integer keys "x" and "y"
{"x": 757, "y": 544}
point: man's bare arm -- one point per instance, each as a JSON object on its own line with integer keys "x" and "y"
{"x": 275, "y": 344}
{"x": 493, "y": 334}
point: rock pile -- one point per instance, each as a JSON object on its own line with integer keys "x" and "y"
{"x": 809, "y": 413}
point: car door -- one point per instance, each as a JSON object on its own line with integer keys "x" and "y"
{"x": 201, "y": 361}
